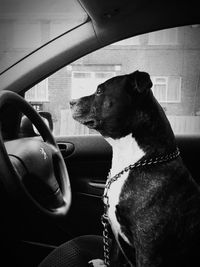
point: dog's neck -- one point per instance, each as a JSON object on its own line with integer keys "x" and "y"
{"x": 126, "y": 151}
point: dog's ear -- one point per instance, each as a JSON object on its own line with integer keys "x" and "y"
{"x": 140, "y": 81}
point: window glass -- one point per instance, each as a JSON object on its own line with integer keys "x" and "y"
{"x": 164, "y": 37}
{"x": 38, "y": 93}
{"x": 171, "y": 57}
{"x": 83, "y": 83}
{"x": 25, "y": 25}
{"x": 129, "y": 41}
{"x": 167, "y": 89}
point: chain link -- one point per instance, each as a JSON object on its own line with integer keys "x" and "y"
{"x": 106, "y": 247}
{"x": 110, "y": 180}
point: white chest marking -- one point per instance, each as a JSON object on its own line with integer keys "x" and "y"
{"x": 125, "y": 152}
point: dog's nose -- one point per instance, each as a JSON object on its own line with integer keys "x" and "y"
{"x": 72, "y": 103}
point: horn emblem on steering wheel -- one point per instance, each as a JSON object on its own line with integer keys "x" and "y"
{"x": 44, "y": 154}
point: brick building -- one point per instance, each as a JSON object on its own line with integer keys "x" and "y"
{"x": 172, "y": 58}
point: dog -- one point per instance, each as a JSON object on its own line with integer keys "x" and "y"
{"x": 154, "y": 206}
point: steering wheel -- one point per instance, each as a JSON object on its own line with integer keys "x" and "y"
{"x": 34, "y": 165}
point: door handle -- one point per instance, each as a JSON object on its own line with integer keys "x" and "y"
{"x": 97, "y": 185}
{"x": 66, "y": 149}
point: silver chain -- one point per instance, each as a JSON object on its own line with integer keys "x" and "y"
{"x": 110, "y": 180}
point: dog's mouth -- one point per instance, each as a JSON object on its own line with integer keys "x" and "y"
{"x": 89, "y": 122}
{"x": 92, "y": 124}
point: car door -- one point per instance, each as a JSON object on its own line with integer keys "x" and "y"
{"x": 88, "y": 160}
{"x": 164, "y": 55}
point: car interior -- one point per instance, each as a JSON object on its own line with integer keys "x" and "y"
{"x": 53, "y": 174}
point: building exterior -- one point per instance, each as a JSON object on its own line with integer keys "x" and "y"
{"x": 171, "y": 57}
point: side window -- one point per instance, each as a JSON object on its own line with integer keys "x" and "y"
{"x": 39, "y": 93}
{"x": 171, "y": 57}
{"x": 167, "y": 37}
{"x": 53, "y": 94}
{"x": 84, "y": 83}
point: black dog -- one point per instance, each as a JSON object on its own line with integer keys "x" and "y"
{"x": 153, "y": 204}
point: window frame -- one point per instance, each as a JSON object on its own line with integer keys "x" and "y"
{"x": 166, "y": 83}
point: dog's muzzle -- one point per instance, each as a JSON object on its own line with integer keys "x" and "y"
{"x": 82, "y": 117}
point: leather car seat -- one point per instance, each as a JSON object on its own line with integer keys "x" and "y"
{"x": 75, "y": 253}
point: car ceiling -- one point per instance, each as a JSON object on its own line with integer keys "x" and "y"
{"x": 108, "y": 21}
{"x": 139, "y": 16}
{"x": 103, "y": 11}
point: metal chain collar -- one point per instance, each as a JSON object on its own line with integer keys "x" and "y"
{"x": 110, "y": 180}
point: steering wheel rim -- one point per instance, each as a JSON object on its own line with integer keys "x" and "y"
{"x": 47, "y": 150}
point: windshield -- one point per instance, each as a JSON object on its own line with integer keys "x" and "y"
{"x": 25, "y": 25}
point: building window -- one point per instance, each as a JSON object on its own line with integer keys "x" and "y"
{"x": 38, "y": 93}
{"x": 86, "y": 82}
{"x": 164, "y": 37}
{"x": 167, "y": 89}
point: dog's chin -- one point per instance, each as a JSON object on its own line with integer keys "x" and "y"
{"x": 90, "y": 123}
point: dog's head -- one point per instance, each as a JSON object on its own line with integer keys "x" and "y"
{"x": 112, "y": 108}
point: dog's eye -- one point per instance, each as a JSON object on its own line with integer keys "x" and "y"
{"x": 99, "y": 91}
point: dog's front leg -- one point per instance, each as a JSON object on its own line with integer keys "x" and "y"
{"x": 117, "y": 258}
{"x": 96, "y": 263}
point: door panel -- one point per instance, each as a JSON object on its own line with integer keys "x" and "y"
{"x": 88, "y": 166}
